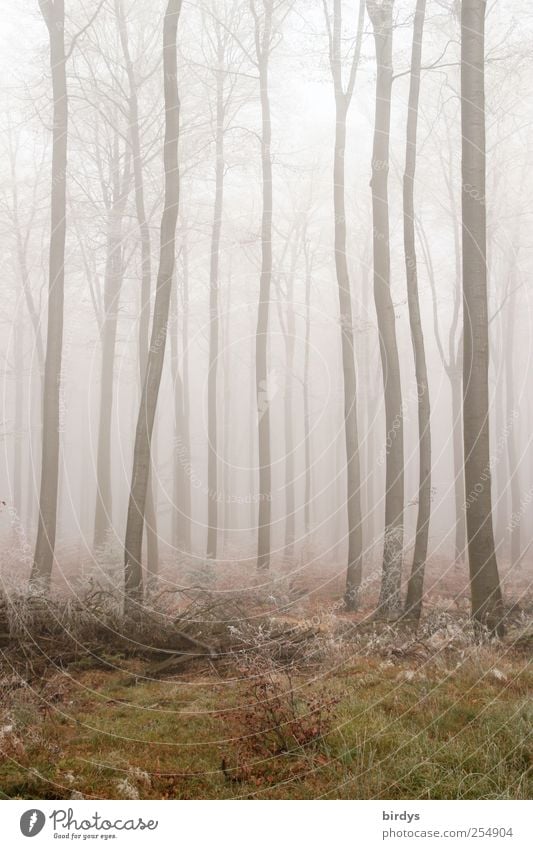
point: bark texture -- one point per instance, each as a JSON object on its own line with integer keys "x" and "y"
{"x": 415, "y": 587}
{"x": 54, "y": 17}
{"x": 380, "y": 14}
{"x": 156, "y": 353}
{"x": 103, "y": 519}
{"x": 146, "y": 263}
{"x": 484, "y": 578}
{"x": 343, "y": 96}
{"x": 263, "y": 36}
{"x": 212, "y": 381}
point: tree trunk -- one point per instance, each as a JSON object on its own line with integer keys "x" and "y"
{"x": 515, "y": 522}
{"x": 156, "y": 353}
{"x": 307, "y": 415}
{"x": 212, "y": 383}
{"x": 185, "y": 497}
{"x": 230, "y": 521}
{"x": 103, "y": 519}
{"x": 458, "y": 466}
{"x": 390, "y": 598}
{"x": 415, "y": 588}
{"x": 288, "y": 417}
{"x": 19, "y": 410}
{"x": 253, "y": 451}
{"x": 484, "y": 578}
{"x": 150, "y": 516}
{"x": 179, "y": 523}
{"x": 146, "y": 266}
{"x": 261, "y": 349}
{"x": 453, "y": 367}
{"x": 353, "y": 472}
{"x": 54, "y": 16}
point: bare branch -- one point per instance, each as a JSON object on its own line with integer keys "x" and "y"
{"x": 83, "y": 30}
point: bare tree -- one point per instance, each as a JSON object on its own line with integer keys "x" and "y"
{"x": 452, "y": 364}
{"x": 415, "y": 588}
{"x": 510, "y": 400}
{"x": 184, "y": 500}
{"x": 451, "y": 354}
{"x": 146, "y": 256}
{"x": 181, "y": 538}
{"x": 343, "y": 96}
{"x": 308, "y": 254}
{"x": 115, "y": 200}
{"x": 154, "y": 366}
{"x": 484, "y": 578}
{"x": 53, "y": 12}
{"x": 380, "y": 13}
{"x": 263, "y": 36}
{"x": 285, "y": 297}
{"x": 223, "y": 96}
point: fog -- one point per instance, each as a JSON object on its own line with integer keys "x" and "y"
{"x": 304, "y": 392}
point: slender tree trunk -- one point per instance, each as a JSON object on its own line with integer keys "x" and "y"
{"x": 341, "y": 516}
{"x": 455, "y": 378}
{"x": 353, "y": 473}
{"x": 212, "y": 382}
{"x": 453, "y": 367}
{"x": 390, "y": 599}
{"x": 19, "y": 406}
{"x": 103, "y": 519}
{"x": 415, "y": 588}
{"x": 261, "y": 350}
{"x": 484, "y": 578}
{"x": 150, "y": 516}
{"x": 227, "y": 419}
{"x": 512, "y": 452}
{"x": 371, "y": 376}
{"x": 307, "y": 415}
{"x": 186, "y": 497}
{"x": 454, "y": 370}
{"x": 34, "y": 446}
{"x": 179, "y": 521}
{"x": 500, "y": 475}
{"x": 54, "y": 17}
{"x": 146, "y": 264}
{"x": 154, "y": 368}
{"x": 252, "y": 452}
{"x": 288, "y": 424}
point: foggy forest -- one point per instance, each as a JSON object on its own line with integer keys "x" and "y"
{"x": 267, "y": 459}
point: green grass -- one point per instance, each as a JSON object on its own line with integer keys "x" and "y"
{"x": 396, "y": 732}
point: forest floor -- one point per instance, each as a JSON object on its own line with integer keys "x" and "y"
{"x": 373, "y": 711}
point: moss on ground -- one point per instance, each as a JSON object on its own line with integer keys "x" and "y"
{"x": 395, "y": 731}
